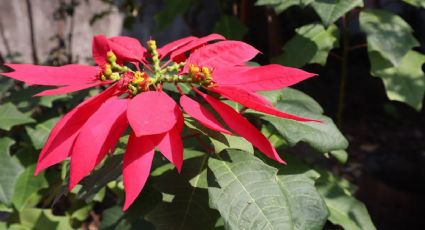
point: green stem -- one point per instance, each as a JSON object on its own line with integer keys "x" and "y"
{"x": 344, "y": 69}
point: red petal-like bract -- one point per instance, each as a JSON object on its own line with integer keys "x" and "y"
{"x": 170, "y": 144}
{"x": 70, "y": 88}
{"x": 194, "y": 44}
{"x": 152, "y": 112}
{"x": 223, "y": 54}
{"x": 201, "y": 114}
{"x": 49, "y": 75}
{"x": 136, "y": 166}
{"x": 254, "y": 101}
{"x": 268, "y": 77}
{"x": 61, "y": 139}
{"x": 127, "y": 48}
{"x": 241, "y": 125}
{"x": 98, "y": 135}
{"x": 170, "y": 47}
{"x": 100, "y": 48}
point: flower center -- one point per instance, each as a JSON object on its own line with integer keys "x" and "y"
{"x": 153, "y": 76}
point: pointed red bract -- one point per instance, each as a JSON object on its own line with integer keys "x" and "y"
{"x": 61, "y": 139}
{"x": 136, "y": 166}
{"x": 48, "y": 75}
{"x": 100, "y": 48}
{"x": 201, "y": 114}
{"x": 241, "y": 125}
{"x": 269, "y": 77}
{"x": 223, "y": 54}
{"x": 194, "y": 44}
{"x": 170, "y": 47}
{"x": 96, "y": 137}
{"x": 254, "y": 101}
{"x": 70, "y": 89}
{"x": 127, "y": 48}
{"x": 152, "y": 113}
{"x": 170, "y": 145}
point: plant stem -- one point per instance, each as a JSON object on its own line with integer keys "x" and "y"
{"x": 32, "y": 33}
{"x": 344, "y": 69}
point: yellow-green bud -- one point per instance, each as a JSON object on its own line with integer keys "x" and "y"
{"x": 111, "y": 57}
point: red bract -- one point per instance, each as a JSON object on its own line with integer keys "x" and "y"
{"x": 135, "y": 100}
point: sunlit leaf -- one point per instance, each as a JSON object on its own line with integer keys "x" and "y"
{"x": 11, "y": 116}
{"x": 323, "y": 136}
{"x": 387, "y": 34}
{"x": 405, "y": 83}
{"x": 9, "y": 172}
{"x": 40, "y": 133}
{"x": 331, "y": 10}
{"x": 311, "y": 44}
{"x": 345, "y": 210}
{"x": 250, "y": 195}
{"x": 281, "y": 5}
{"x": 26, "y": 185}
{"x": 41, "y": 219}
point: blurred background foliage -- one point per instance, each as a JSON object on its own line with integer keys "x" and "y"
{"x": 370, "y": 59}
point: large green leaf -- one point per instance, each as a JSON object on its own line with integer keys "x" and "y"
{"x": 387, "y": 34}
{"x": 281, "y": 5}
{"x": 250, "y": 195}
{"x": 26, "y": 185}
{"x": 311, "y": 44}
{"x": 323, "y": 136}
{"x": 9, "y": 171}
{"x": 345, "y": 210}
{"x": 405, "y": 83}
{"x": 230, "y": 27}
{"x": 40, "y": 133}
{"x": 331, "y": 10}
{"x": 417, "y": 3}
{"x": 11, "y": 116}
{"x": 185, "y": 197}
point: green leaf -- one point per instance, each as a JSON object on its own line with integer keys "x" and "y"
{"x": 185, "y": 198}
{"x": 311, "y": 44}
{"x": 41, "y": 219}
{"x": 98, "y": 179}
{"x": 220, "y": 141}
{"x": 281, "y": 5}
{"x": 41, "y": 132}
{"x": 417, "y": 3}
{"x": 230, "y": 27}
{"x": 323, "y": 136}
{"x": 405, "y": 83}
{"x": 340, "y": 155}
{"x": 26, "y": 185}
{"x": 331, "y": 10}
{"x": 345, "y": 210}
{"x": 250, "y": 195}
{"x": 11, "y": 116}
{"x": 9, "y": 172}
{"x": 172, "y": 9}
{"x": 387, "y": 34}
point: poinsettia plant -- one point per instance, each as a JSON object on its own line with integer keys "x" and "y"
{"x": 158, "y": 99}
{"x": 136, "y": 98}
